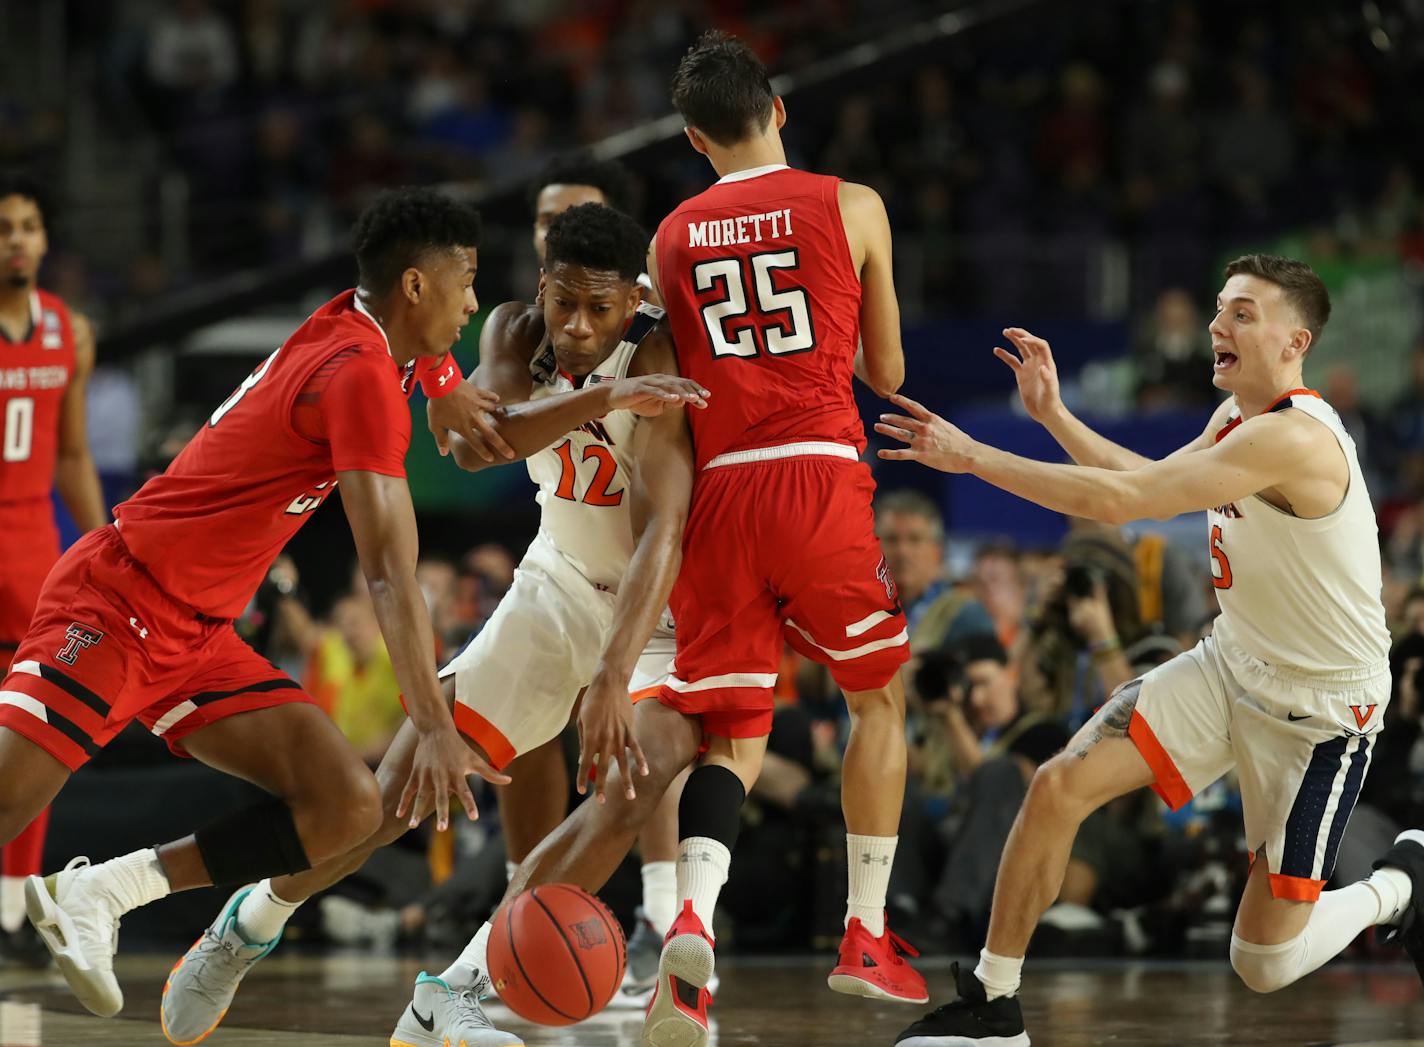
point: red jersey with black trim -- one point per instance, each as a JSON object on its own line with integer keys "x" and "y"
{"x": 764, "y": 303}
{"x": 329, "y": 399}
{"x": 34, "y": 375}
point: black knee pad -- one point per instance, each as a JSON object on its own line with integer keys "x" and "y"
{"x": 252, "y": 844}
{"x": 711, "y": 805}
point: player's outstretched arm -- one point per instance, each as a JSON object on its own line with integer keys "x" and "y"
{"x": 880, "y": 361}
{"x": 661, "y": 490}
{"x": 75, "y": 477}
{"x": 383, "y": 524}
{"x": 507, "y": 343}
{"x": 1037, "y": 377}
{"x": 1264, "y": 452}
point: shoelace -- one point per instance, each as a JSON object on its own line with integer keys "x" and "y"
{"x": 899, "y": 945}
{"x": 468, "y": 1011}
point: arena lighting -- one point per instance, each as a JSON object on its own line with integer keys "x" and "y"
{"x": 237, "y": 293}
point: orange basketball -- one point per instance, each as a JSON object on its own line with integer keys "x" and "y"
{"x": 556, "y": 954}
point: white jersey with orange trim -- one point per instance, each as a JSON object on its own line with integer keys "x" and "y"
{"x": 1296, "y": 592}
{"x": 584, "y": 477}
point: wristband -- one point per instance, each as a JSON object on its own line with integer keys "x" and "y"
{"x": 439, "y": 375}
{"x": 1103, "y": 648}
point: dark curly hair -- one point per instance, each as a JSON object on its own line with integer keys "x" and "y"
{"x": 609, "y": 177}
{"x": 1302, "y": 288}
{"x": 721, "y": 88}
{"x": 597, "y": 237}
{"x": 402, "y": 225}
{"x": 19, "y": 183}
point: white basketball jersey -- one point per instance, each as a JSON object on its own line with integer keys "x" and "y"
{"x": 584, "y": 476}
{"x": 1298, "y": 592}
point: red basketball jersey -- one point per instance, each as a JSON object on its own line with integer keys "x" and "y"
{"x": 34, "y": 375}
{"x": 210, "y": 526}
{"x": 765, "y": 309}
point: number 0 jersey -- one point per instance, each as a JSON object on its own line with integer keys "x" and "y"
{"x": 584, "y": 476}
{"x": 34, "y": 375}
{"x": 1302, "y": 593}
{"x": 209, "y": 527}
{"x": 764, "y": 306}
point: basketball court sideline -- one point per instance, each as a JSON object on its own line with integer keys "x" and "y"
{"x": 346, "y": 999}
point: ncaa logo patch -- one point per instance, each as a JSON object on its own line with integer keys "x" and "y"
{"x": 591, "y": 933}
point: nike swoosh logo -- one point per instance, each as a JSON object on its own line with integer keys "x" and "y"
{"x": 1293, "y": 717}
{"x": 428, "y": 1024}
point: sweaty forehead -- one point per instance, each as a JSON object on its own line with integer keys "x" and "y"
{"x": 581, "y": 280}
{"x": 1244, "y": 285}
{"x": 18, "y": 208}
{"x": 558, "y": 197}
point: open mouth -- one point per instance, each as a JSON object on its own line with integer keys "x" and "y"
{"x": 1224, "y": 360}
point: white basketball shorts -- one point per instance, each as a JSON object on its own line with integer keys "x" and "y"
{"x": 1300, "y": 743}
{"x": 517, "y": 681}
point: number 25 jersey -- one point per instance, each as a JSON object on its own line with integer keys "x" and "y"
{"x": 764, "y": 305}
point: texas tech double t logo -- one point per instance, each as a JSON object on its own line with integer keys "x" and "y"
{"x": 79, "y": 637}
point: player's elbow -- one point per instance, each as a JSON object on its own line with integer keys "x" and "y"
{"x": 885, "y": 378}
{"x": 1117, "y": 508}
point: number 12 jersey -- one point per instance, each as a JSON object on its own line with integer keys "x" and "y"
{"x": 765, "y": 308}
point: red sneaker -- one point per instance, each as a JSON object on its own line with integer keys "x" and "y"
{"x": 677, "y": 1013}
{"x": 874, "y": 967}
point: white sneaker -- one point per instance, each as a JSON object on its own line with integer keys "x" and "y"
{"x": 202, "y": 984}
{"x": 78, "y": 920}
{"x": 439, "y": 1016}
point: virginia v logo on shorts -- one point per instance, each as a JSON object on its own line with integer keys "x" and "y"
{"x": 1363, "y": 714}
{"x": 81, "y": 636}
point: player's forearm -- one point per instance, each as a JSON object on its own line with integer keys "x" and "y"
{"x": 883, "y": 375}
{"x": 530, "y": 427}
{"x": 410, "y": 640}
{"x": 1087, "y": 447}
{"x": 1090, "y": 492}
{"x": 641, "y": 598}
{"x": 77, "y": 482}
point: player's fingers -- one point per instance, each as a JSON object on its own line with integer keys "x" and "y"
{"x": 489, "y": 774}
{"x": 493, "y": 438}
{"x": 638, "y": 757}
{"x": 892, "y": 431}
{"x": 442, "y": 804}
{"x": 912, "y": 424}
{"x": 915, "y": 408}
{"x": 467, "y": 799}
{"x": 600, "y": 774}
{"x": 898, "y": 454}
{"x": 408, "y": 795}
{"x": 585, "y": 769}
{"x": 1008, "y": 358}
{"x": 442, "y": 439}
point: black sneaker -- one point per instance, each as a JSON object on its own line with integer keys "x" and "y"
{"x": 1408, "y": 854}
{"x": 23, "y": 948}
{"x": 970, "y": 1021}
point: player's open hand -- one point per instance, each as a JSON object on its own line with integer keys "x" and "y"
{"x": 932, "y": 441}
{"x": 441, "y": 767}
{"x": 466, "y": 410}
{"x": 1035, "y": 372}
{"x": 606, "y": 737}
{"x": 651, "y": 394}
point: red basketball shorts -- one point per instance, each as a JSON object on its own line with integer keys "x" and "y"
{"x": 107, "y": 645}
{"x": 29, "y": 546}
{"x": 779, "y": 551}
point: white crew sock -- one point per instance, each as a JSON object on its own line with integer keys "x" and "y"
{"x": 471, "y": 963}
{"x": 510, "y": 868}
{"x": 869, "y": 860}
{"x": 660, "y": 894}
{"x": 135, "y": 879}
{"x": 1338, "y": 917}
{"x": 262, "y": 914}
{"x": 702, "y": 865}
{"x": 998, "y": 974}
{"x": 12, "y": 903}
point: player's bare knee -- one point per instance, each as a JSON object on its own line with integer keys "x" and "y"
{"x": 1056, "y": 791}
{"x": 341, "y": 815}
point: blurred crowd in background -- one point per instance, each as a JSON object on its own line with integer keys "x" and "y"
{"x": 1094, "y": 163}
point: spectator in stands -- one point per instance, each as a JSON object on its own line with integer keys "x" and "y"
{"x": 911, "y": 531}
{"x": 1171, "y": 350}
{"x": 350, "y": 671}
{"x": 995, "y": 745}
{"x": 998, "y": 582}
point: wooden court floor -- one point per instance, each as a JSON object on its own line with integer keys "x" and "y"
{"x": 297, "y": 1000}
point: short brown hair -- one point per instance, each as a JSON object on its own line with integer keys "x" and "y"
{"x": 1303, "y": 289}
{"x": 721, "y": 88}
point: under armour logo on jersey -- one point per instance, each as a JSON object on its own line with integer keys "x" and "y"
{"x": 1363, "y": 714}
{"x": 142, "y": 629}
{"x": 79, "y": 636}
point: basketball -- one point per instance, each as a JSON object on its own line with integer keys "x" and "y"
{"x": 556, "y": 955}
